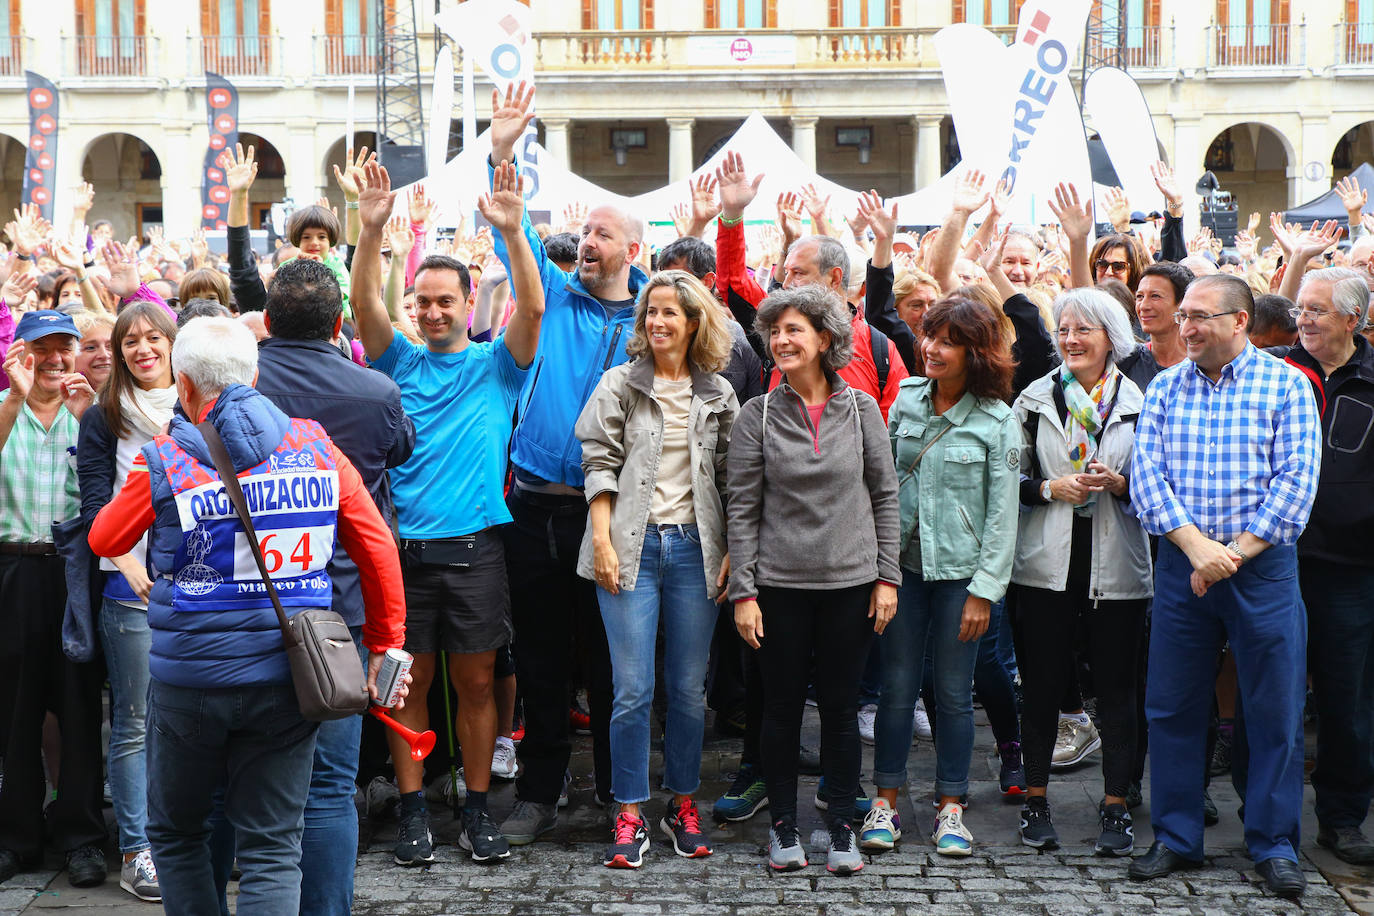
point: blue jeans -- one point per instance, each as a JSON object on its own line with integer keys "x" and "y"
{"x": 928, "y": 614}
{"x": 253, "y": 741}
{"x": 1260, "y": 611}
{"x": 671, "y": 583}
{"x": 126, "y": 639}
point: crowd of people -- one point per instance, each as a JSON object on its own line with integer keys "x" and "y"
{"x": 1111, "y": 489}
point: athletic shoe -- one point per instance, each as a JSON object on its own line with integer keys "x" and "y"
{"x": 935, "y": 801}
{"x": 951, "y": 837}
{"x": 843, "y": 857}
{"x": 1076, "y": 741}
{"x": 482, "y": 837}
{"x": 445, "y": 790}
{"x": 86, "y": 867}
{"x": 1012, "y": 778}
{"x": 808, "y": 761}
{"x": 746, "y": 795}
{"x": 138, "y": 876}
{"x": 503, "y": 762}
{"x": 414, "y": 842}
{"x": 1221, "y": 754}
{"x": 683, "y": 827}
{"x": 862, "y": 803}
{"x": 785, "y": 851}
{"x": 1037, "y": 827}
{"x": 882, "y": 827}
{"x": 731, "y": 723}
{"x": 629, "y": 842}
{"x": 921, "y": 723}
{"x": 868, "y": 713}
{"x": 1117, "y": 836}
{"x": 381, "y": 798}
{"x": 579, "y": 720}
{"x": 517, "y": 734}
{"x": 528, "y": 821}
{"x": 1210, "y": 815}
{"x": 563, "y": 792}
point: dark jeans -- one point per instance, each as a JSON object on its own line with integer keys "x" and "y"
{"x": 1340, "y": 658}
{"x": 834, "y": 625}
{"x": 34, "y": 677}
{"x": 557, "y": 622}
{"x": 253, "y": 741}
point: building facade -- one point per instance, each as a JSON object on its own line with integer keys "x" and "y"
{"x": 1275, "y": 97}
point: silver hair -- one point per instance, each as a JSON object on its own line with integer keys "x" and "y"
{"x": 1100, "y": 310}
{"x": 1349, "y": 291}
{"x": 821, "y": 306}
{"x": 214, "y": 353}
{"x": 830, "y": 253}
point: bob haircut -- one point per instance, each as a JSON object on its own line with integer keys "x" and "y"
{"x": 312, "y": 217}
{"x": 709, "y": 349}
{"x": 1135, "y": 256}
{"x": 975, "y": 327}
{"x": 1101, "y": 310}
{"x": 909, "y": 279}
{"x": 121, "y": 380}
{"x": 205, "y": 283}
{"x": 987, "y": 294}
{"x": 819, "y": 305}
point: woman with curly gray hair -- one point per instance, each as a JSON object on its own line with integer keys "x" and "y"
{"x": 812, "y": 530}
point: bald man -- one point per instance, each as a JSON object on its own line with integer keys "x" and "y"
{"x": 588, "y": 319}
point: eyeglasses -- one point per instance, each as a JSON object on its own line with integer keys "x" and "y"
{"x": 1198, "y": 318}
{"x": 1298, "y": 311}
{"x": 1116, "y": 267}
{"x": 1064, "y": 333}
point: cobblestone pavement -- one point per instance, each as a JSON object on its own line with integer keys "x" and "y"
{"x": 564, "y": 875}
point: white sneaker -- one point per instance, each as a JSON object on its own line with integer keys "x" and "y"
{"x": 443, "y": 791}
{"x": 138, "y": 876}
{"x": 882, "y": 828}
{"x": 1074, "y": 743}
{"x": 503, "y": 762}
{"x": 951, "y": 837}
{"x": 868, "y": 714}
{"x": 921, "y": 721}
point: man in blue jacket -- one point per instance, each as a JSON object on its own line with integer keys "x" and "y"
{"x": 589, "y": 317}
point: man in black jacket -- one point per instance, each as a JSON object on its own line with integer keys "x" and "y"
{"x": 307, "y": 376}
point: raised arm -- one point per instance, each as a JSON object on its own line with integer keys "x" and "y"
{"x": 1077, "y": 219}
{"x": 969, "y": 196}
{"x": 1171, "y": 243}
{"x": 348, "y": 181}
{"x": 375, "y": 200}
{"x": 401, "y": 239}
{"x": 504, "y": 208}
{"x": 240, "y": 170}
{"x": 1302, "y": 248}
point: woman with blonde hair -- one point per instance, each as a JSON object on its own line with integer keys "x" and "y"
{"x": 654, "y": 436}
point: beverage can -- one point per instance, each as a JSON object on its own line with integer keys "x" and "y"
{"x": 395, "y": 664}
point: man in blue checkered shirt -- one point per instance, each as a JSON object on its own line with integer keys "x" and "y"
{"x": 1228, "y": 448}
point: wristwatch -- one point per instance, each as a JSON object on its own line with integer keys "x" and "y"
{"x": 1235, "y": 549}
{"x": 1046, "y": 492}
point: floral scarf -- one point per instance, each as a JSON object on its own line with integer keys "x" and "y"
{"x": 1088, "y": 412}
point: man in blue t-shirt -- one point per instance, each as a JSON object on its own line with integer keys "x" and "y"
{"x": 461, "y": 396}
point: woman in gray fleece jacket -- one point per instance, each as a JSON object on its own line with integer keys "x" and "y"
{"x": 812, "y": 526}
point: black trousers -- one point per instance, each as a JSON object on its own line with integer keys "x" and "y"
{"x": 1043, "y": 625}
{"x": 34, "y": 677}
{"x": 835, "y": 627}
{"x": 557, "y": 624}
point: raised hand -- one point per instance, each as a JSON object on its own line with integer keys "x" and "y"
{"x": 991, "y": 260}
{"x": 1118, "y": 209}
{"x": 77, "y": 393}
{"x": 29, "y": 229}
{"x": 682, "y": 219}
{"x": 421, "y": 206}
{"x": 705, "y": 205}
{"x": 882, "y": 222}
{"x": 789, "y": 216}
{"x": 351, "y": 178}
{"x": 1252, "y": 224}
{"x": 1245, "y": 245}
{"x": 505, "y": 205}
{"x": 509, "y": 118}
{"x": 200, "y": 249}
{"x": 1201, "y": 241}
{"x": 375, "y": 197}
{"x": 122, "y": 267}
{"x": 399, "y": 237}
{"x": 1074, "y": 215}
{"x": 240, "y": 169}
{"x": 83, "y": 198}
{"x": 818, "y": 207}
{"x": 1000, "y": 200}
{"x": 17, "y": 287}
{"x": 1284, "y": 236}
{"x": 737, "y": 191}
{"x": 1167, "y": 185}
{"x": 858, "y": 225}
{"x": 68, "y": 255}
{"x": 1316, "y": 240}
{"x": 1352, "y": 197}
{"x": 574, "y": 217}
{"x": 21, "y": 368}
{"x": 969, "y": 195}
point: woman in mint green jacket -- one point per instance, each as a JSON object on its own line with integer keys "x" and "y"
{"x": 957, "y": 448}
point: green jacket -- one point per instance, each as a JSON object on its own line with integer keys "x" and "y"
{"x": 963, "y": 491}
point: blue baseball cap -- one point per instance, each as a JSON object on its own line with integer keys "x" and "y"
{"x": 42, "y": 322}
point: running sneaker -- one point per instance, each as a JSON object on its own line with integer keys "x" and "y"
{"x": 683, "y": 827}
{"x": 414, "y": 842}
{"x": 481, "y": 837}
{"x": 1075, "y": 742}
{"x": 746, "y": 795}
{"x": 382, "y": 798}
{"x": 629, "y": 842}
{"x": 579, "y": 720}
{"x": 1210, "y": 815}
{"x": 1221, "y": 754}
{"x": 1012, "y": 778}
{"x": 1037, "y": 827}
{"x": 862, "y": 803}
{"x": 138, "y": 876}
{"x": 951, "y": 837}
{"x": 503, "y": 761}
{"x": 843, "y": 857}
{"x": 785, "y": 851}
{"x": 528, "y": 821}
{"x": 868, "y": 714}
{"x": 1117, "y": 836}
{"x": 563, "y": 793}
{"x": 882, "y": 827}
{"x": 921, "y": 723}
{"x": 445, "y": 790}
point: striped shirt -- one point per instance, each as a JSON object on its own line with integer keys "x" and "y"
{"x": 38, "y": 483}
{"x": 1241, "y": 454}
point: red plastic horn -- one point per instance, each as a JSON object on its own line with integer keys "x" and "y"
{"x": 421, "y": 743}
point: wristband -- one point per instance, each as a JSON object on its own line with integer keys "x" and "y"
{"x": 351, "y": 204}
{"x": 81, "y": 278}
{"x": 731, "y": 222}
{"x": 23, "y": 257}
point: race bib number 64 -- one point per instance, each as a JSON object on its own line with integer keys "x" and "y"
{"x": 288, "y": 552}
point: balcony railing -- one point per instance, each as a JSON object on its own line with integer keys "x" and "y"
{"x": 345, "y": 55}
{"x": 110, "y": 55}
{"x": 1278, "y": 45}
{"x": 1141, "y": 47}
{"x": 11, "y": 56}
{"x": 236, "y": 55}
{"x": 1355, "y": 43}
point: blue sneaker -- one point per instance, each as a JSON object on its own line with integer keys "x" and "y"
{"x": 882, "y": 827}
{"x": 862, "y": 803}
{"x": 746, "y": 795}
{"x": 951, "y": 837}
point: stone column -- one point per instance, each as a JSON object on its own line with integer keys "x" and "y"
{"x": 304, "y": 178}
{"x": 928, "y": 152}
{"x": 556, "y": 139}
{"x": 1312, "y": 146}
{"x": 679, "y": 149}
{"x": 1189, "y": 151}
{"x": 804, "y": 140}
{"x": 181, "y": 162}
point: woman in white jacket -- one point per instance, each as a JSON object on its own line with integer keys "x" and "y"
{"x": 1082, "y": 559}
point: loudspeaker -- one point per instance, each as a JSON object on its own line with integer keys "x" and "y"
{"x": 405, "y": 164}
{"x": 1223, "y": 225}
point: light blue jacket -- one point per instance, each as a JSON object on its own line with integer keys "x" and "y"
{"x": 962, "y": 496}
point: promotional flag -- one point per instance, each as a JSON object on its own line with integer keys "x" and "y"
{"x": 41, "y": 160}
{"x": 1121, "y": 117}
{"x": 222, "y": 113}
{"x": 440, "y": 110}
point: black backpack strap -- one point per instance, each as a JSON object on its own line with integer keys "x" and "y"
{"x": 877, "y": 342}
